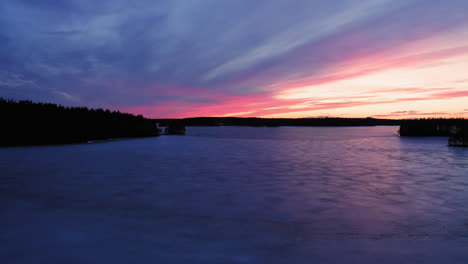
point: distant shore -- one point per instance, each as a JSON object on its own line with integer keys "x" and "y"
{"x": 276, "y": 122}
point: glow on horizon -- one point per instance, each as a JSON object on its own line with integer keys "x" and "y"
{"x": 422, "y": 79}
{"x": 413, "y": 81}
{"x": 425, "y": 89}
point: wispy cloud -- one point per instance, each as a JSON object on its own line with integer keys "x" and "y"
{"x": 179, "y": 58}
{"x": 13, "y": 80}
{"x": 300, "y": 34}
{"x": 411, "y": 114}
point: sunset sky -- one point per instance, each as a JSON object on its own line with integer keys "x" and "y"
{"x": 264, "y": 58}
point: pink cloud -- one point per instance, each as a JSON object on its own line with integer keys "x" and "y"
{"x": 263, "y": 105}
{"x": 224, "y": 101}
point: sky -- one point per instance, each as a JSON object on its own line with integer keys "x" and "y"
{"x": 263, "y": 58}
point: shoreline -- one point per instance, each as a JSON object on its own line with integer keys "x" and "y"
{"x": 73, "y": 143}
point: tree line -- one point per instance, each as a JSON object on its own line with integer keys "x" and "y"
{"x": 28, "y": 123}
{"x": 432, "y": 127}
{"x": 275, "y": 122}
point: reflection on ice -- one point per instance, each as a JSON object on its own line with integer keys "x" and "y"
{"x": 238, "y": 195}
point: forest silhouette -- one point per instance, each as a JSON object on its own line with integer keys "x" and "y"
{"x": 432, "y": 127}
{"x": 29, "y": 123}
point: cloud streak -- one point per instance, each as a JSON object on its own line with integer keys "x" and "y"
{"x": 182, "y": 58}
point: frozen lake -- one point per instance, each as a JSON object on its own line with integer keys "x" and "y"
{"x": 238, "y": 195}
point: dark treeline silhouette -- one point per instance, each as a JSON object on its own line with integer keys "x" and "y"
{"x": 459, "y": 135}
{"x": 175, "y": 127}
{"x": 274, "y": 122}
{"x": 431, "y": 127}
{"x": 28, "y": 123}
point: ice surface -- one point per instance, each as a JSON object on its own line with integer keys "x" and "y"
{"x": 238, "y": 195}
